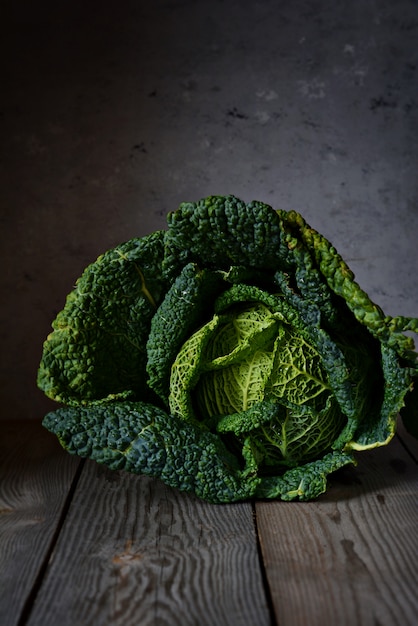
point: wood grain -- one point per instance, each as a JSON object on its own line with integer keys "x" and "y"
{"x": 350, "y": 557}
{"x": 35, "y": 477}
{"x": 133, "y": 551}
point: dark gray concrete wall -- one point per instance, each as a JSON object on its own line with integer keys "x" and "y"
{"x": 111, "y": 114}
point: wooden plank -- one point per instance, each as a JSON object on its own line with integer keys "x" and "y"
{"x": 350, "y": 557}
{"x": 35, "y": 478}
{"x": 133, "y": 551}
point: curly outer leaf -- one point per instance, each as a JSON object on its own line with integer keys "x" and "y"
{"x": 220, "y": 231}
{"x": 142, "y": 439}
{"x": 305, "y": 482}
{"x": 378, "y": 427}
{"x": 341, "y": 280}
{"x": 182, "y": 309}
{"x": 97, "y": 347}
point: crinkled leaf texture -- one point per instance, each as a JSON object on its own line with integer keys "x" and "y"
{"x": 232, "y": 355}
{"x": 143, "y": 439}
{"x": 97, "y": 347}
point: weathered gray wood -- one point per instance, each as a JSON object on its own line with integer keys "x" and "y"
{"x": 350, "y": 557}
{"x": 133, "y": 551}
{"x": 35, "y": 477}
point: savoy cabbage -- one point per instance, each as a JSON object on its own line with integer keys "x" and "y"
{"x": 232, "y": 355}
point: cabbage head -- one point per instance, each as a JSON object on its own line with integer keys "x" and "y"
{"x": 232, "y": 355}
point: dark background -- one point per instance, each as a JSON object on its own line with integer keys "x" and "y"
{"x": 111, "y": 114}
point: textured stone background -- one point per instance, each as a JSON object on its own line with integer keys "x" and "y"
{"x": 110, "y": 116}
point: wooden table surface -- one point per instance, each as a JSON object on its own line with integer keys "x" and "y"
{"x": 81, "y": 545}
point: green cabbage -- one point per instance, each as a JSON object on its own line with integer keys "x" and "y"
{"x": 252, "y": 354}
{"x": 232, "y": 355}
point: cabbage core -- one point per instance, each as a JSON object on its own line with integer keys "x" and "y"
{"x": 251, "y": 373}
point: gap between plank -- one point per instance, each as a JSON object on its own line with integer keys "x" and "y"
{"x": 30, "y": 600}
{"x": 264, "y": 577}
